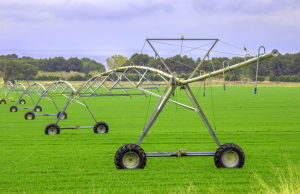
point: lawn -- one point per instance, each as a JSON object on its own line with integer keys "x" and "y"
{"x": 266, "y": 126}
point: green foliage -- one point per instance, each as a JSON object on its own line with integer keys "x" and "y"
{"x": 259, "y": 78}
{"x": 12, "y": 70}
{"x": 29, "y": 71}
{"x": 115, "y": 61}
{"x": 49, "y": 77}
{"x": 92, "y": 65}
{"x": 56, "y": 64}
{"x": 79, "y": 78}
{"x": 283, "y": 65}
{"x": 227, "y": 78}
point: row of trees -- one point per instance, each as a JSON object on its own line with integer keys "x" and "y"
{"x": 288, "y": 64}
{"x": 84, "y": 65}
{"x": 15, "y": 67}
{"x": 276, "y": 67}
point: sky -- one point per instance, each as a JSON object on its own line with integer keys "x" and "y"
{"x": 101, "y": 28}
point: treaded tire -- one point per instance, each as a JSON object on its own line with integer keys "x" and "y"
{"x": 38, "y": 109}
{"x": 130, "y": 156}
{"x": 13, "y": 109}
{"x": 22, "y": 101}
{"x": 64, "y": 116}
{"x": 29, "y": 115}
{"x": 2, "y": 101}
{"x": 101, "y": 127}
{"x": 229, "y": 155}
{"x": 52, "y": 129}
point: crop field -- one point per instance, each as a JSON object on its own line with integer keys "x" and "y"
{"x": 266, "y": 126}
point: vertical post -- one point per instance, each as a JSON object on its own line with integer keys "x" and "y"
{"x": 201, "y": 114}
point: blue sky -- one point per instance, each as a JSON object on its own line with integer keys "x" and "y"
{"x": 99, "y": 29}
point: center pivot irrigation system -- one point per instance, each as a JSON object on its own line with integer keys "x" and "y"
{"x": 57, "y": 88}
{"x": 9, "y": 89}
{"x": 132, "y": 156}
{"x": 35, "y": 88}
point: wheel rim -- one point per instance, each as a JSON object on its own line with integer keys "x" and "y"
{"x": 52, "y": 131}
{"x": 2, "y": 102}
{"x": 22, "y": 102}
{"x": 230, "y": 159}
{"x": 38, "y": 109}
{"x": 29, "y": 116}
{"x": 13, "y": 109}
{"x": 130, "y": 160}
{"x": 101, "y": 129}
{"x": 63, "y": 116}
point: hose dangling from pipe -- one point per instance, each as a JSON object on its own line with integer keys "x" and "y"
{"x": 204, "y": 82}
{"x": 255, "y": 89}
{"x": 224, "y": 72}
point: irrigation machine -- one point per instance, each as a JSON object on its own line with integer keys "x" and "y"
{"x": 132, "y": 156}
{"x": 9, "y": 89}
{"x": 57, "y": 88}
{"x": 34, "y": 88}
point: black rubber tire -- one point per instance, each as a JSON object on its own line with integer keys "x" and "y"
{"x": 98, "y": 124}
{"x": 129, "y": 148}
{"x": 38, "y": 109}
{"x": 48, "y": 130}
{"x": 22, "y": 101}
{"x": 2, "y": 101}
{"x": 13, "y": 109}
{"x": 66, "y": 116}
{"x": 231, "y": 148}
{"x": 29, "y": 115}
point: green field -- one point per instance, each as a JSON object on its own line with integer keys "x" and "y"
{"x": 266, "y": 126}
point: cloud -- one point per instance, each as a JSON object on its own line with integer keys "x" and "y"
{"x": 81, "y": 10}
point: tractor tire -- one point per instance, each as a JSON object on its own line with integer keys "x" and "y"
{"x": 64, "y": 116}
{"x": 38, "y": 109}
{"x": 130, "y": 156}
{"x": 13, "y": 109}
{"x": 229, "y": 155}
{"x": 29, "y": 115}
{"x": 22, "y": 101}
{"x": 101, "y": 127}
{"x": 3, "y": 101}
{"x": 52, "y": 129}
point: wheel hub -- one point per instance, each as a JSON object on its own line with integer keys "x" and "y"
{"x": 52, "y": 130}
{"x": 230, "y": 159}
{"x": 101, "y": 129}
{"x": 130, "y": 160}
{"x": 29, "y": 116}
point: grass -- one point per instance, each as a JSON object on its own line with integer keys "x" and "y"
{"x": 266, "y": 126}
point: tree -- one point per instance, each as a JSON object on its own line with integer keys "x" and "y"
{"x": 12, "y": 70}
{"x": 115, "y": 61}
{"x": 28, "y": 71}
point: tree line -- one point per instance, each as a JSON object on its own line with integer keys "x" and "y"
{"x": 282, "y": 68}
{"x": 287, "y": 66}
{"x": 14, "y": 67}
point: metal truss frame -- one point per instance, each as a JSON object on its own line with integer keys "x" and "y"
{"x": 57, "y": 88}
{"x": 10, "y": 88}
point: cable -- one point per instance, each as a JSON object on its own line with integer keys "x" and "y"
{"x": 237, "y": 47}
{"x": 205, "y": 49}
{"x": 143, "y": 47}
